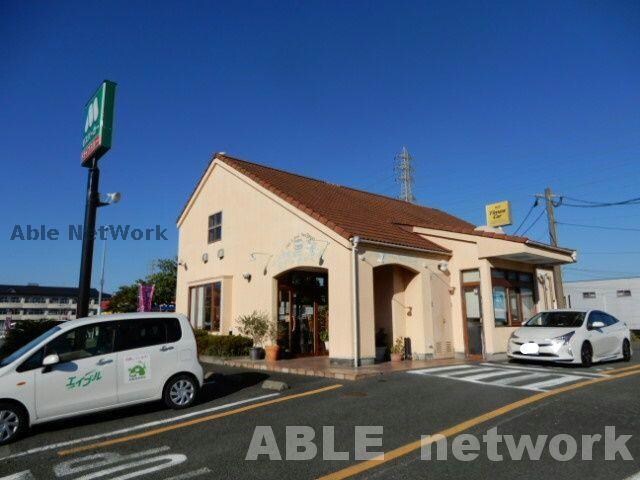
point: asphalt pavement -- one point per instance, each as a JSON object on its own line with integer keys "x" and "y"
{"x": 213, "y": 439}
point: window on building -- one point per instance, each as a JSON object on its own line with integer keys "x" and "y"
{"x": 623, "y": 293}
{"x": 215, "y": 227}
{"x": 514, "y": 300}
{"x": 204, "y": 306}
{"x": 588, "y": 294}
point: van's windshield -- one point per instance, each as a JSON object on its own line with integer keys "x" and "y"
{"x": 21, "y": 351}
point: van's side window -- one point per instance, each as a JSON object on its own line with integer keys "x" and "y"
{"x": 174, "y": 333}
{"x": 34, "y": 361}
{"x": 146, "y": 332}
{"x": 82, "y": 342}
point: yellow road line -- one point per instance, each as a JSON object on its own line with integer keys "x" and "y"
{"x": 195, "y": 421}
{"x": 417, "y": 444}
{"x": 624, "y": 369}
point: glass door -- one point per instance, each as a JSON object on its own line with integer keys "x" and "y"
{"x": 473, "y": 320}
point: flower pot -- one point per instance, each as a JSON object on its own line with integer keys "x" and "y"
{"x": 255, "y": 353}
{"x": 381, "y": 353}
{"x": 396, "y": 357}
{"x": 326, "y": 345}
{"x": 273, "y": 353}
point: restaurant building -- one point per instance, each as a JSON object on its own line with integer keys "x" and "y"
{"x": 367, "y": 269}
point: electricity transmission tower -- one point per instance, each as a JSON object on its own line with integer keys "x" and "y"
{"x": 404, "y": 175}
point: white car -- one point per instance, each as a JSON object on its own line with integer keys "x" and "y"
{"x": 571, "y": 336}
{"x": 97, "y": 363}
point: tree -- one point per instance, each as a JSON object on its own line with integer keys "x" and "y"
{"x": 125, "y": 299}
{"x": 165, "y": 277}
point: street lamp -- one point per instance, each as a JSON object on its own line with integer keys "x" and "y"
{"x": 108, "y": 199}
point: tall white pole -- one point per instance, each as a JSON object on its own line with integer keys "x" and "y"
{"x": 104, "y": 255}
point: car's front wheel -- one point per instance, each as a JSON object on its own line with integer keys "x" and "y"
{"x": 626, "y": 350}
{"x": 13, "y": 422}
{"x": 586, "y": 355}
{"x": 180, "y": 392}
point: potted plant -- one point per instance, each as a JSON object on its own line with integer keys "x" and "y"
{"x": 273, "y": 349}
{"x": 381, "y": 344}
{"x": 254, "y": 325}
{"x": 324, "y": 337}
{"x": 397, "y": 350}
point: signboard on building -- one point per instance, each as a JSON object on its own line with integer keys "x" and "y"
{"x": 98, "y": 123}
{"x": 499, "y": 214}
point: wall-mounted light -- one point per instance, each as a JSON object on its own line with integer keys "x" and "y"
{"x": 246, "y": 276}
{"x": 182, "y": 263}
{"x": 443, "y": 266}
{"x": 205, "y": 257}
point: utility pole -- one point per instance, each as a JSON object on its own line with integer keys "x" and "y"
{"x": 404, "y": 172}
{"x": 553, "y": 237}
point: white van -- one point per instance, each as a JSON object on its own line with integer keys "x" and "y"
{"x": 97, "y": 363}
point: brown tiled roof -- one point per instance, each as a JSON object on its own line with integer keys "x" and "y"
{"x": 350, "y": 212}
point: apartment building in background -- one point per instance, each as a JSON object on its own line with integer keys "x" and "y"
{"x": 618, "y": 296}
{"x": 37, "y": 302}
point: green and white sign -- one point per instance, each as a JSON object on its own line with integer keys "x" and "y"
{"x": 98, "y": 123}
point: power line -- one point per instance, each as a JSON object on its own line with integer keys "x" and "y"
{"x": 610, "y": 253}
{"x": 592, "y": 204}
{"x": 600, "y": 227}
{"x": 534, "y": 222}
{"x": 535, "y": 204}
{"x": 595, "y": 270}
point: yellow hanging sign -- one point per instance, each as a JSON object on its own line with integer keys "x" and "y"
{"x": 499, "y": 214}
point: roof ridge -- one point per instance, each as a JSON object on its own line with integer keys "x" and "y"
{"x": 346, "y": 187}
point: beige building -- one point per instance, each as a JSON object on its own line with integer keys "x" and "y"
{"x": 365, "y": 268}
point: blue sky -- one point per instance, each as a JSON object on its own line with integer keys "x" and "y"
{"x": 495, "y": 100}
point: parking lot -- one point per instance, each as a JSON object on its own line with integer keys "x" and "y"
{"x": 212, "y": 440}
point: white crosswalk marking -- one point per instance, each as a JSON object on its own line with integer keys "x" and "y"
{"x": 554, "y": 382}
{"x": 519, "y": 378}
{"x": 506, "y": 376}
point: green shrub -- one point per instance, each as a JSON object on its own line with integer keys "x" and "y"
{"x": 222, "y": 345}
{"x": 22, "y": 333}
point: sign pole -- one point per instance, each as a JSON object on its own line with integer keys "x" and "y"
{"x": 96, "y": 141}
{"x": 88, "y": 237}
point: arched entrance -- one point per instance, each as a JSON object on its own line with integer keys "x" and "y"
{"x": 396, "y": 303}
{"x": 303, "y": 312}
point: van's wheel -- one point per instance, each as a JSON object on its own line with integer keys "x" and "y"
{"x": 180, "y": 392}
{"x": 13, "y": 422}
{"x": 626, "y": 350}
{"x": 586, "y": 355}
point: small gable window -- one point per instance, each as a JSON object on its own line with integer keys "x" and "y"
{"x": 215, "y": 227}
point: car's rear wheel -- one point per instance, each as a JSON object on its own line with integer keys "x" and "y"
{"x": 586, "y": 354}
{"x": 626, "y": 350}
{"x": 180, "y": 392}
{"x": 13, "y": 422}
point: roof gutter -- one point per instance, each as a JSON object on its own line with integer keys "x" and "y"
{"x": 355, "y": 300}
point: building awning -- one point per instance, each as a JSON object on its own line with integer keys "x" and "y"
{"x": 530, "y": 252}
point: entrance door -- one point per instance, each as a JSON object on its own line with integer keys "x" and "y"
{"x": 473, "y": 320}
{"x": 302, "y": 312}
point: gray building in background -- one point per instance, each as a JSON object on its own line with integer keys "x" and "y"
{"x": 37, "y": 302}
{"x": 618, "y": 296}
